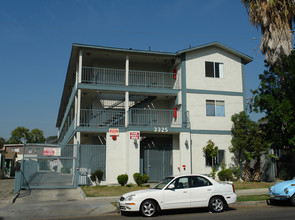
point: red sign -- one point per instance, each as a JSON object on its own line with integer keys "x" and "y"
{"x": 114, "y": 131}
{"x": 51, "y": 151}
{"x": 48, "y": 151}
{"x": 134, "y": 135}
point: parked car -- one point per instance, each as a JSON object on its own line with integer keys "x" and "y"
{"x": 185, "y": 191}
{"x": 282, "y": 191}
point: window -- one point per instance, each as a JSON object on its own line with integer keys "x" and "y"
{"x": 198, "y": 181}
{"x": 14, "y": 150}
{"x": 214, "y": 69}
{"x": 217, "y": 161}
{"x": 215, "y": 108}
{"x": 180, "y": 183}
{"x": 220, "y": 157}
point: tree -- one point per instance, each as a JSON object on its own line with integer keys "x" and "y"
{"x": 211, "y": 151}
{"x": 18, "y": 134}
{"x": 2, "y": 142}
{"x": 248, "y": 142}
{"x": 275, "y": 97}
{"x": 21, "y": 134}
{"x": 258, "y": 147}
{"x": 240, "y": 138}
{"x": 274, "y": 17}
{"x": 37, "y": 136}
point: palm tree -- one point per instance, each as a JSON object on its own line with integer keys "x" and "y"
{"x": 275, "y": 18}
{"x": 259, "y": 147}
{"x": 247, "y": 168}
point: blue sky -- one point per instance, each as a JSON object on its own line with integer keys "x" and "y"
{"x": 36, "y": 39}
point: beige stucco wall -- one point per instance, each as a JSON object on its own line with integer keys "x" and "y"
{"x": 198, "y": 159}
{"x": 196, "y": 105}
{"x": 195, "y": 70}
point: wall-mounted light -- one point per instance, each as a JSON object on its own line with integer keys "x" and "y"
{"x": 186, "y": 143}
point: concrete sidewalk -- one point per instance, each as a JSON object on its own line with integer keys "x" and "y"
{"x": 244, "y": 192}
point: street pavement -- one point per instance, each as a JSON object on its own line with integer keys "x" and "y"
{"x": 54, "y": 203}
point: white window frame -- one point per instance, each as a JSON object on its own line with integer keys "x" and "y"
{"x": 215, "y": 108}
{"x": 221, "y": 70}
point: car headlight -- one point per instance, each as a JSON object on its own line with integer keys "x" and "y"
{"x": 269, "y": 189}
{"x": 286, "y": 190}
{"x": 129, "y": 198}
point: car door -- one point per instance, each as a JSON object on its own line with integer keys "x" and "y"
{"x": 201, "y": 190}
{"x": 179, "y": 196}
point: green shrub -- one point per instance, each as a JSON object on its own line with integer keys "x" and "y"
{"x": 122, "y": 179}
{"x": 140, "y": 179}
{"x": 97, "y": 175}
{"x": 213, "y": 172}
{"x": 145, "y": 178}
{"x": 223, "y": 166}
{"x": 236, "y": 171}
{"x": 285, "y": 174}
{"x": 225, "y": 175}
{"x": 137, "y": 178}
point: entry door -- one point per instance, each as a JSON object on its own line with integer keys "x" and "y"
{"x": 157, "y": 162}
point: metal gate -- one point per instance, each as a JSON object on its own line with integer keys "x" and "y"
{"x": 157, "y": 161}
{"x": 49, "y": 166}
{"x": 92, "y": 158}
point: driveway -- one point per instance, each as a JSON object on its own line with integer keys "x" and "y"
{"x": 49, "y": 203}
{"x": 6, "y": 190}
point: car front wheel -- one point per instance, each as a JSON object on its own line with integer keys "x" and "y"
{"x": 216, "y": 204}
{"x": 148, "y": 208}
{"x": 292, "y": 200}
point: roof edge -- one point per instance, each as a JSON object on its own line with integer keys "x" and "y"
{"x": 247, "y": 58}
{"x": 131, "y": 50}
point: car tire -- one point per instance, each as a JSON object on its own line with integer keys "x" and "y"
{"x": 149, "y": 208}
{"x": 270, "y": 202}
{"x": 216, "y": 204}
{"x": 123, "y": 213}
{"x": 292, "y": 200}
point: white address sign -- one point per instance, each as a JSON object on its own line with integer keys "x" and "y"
{"x": 160, "y": 129}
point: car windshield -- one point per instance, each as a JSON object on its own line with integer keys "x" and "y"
{"x": 163, "y": 183}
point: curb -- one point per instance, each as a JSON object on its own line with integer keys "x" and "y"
{"x": 81, "y": 192}
{"x": 250, "y": 203}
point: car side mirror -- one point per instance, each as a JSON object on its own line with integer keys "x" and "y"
{"x": 171, "y": 186}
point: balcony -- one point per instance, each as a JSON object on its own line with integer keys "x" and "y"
{"x": 154, "y": 118}
{"x": 146, "y": 79}
{"x": 102, "y": 118}
{"x": 137, "y": 117}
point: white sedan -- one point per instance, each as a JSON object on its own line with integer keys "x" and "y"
{"x": 185, "y": 191}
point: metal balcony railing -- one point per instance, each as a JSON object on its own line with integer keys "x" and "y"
{"x": 155, "y": 118}
{"x": 153, "y": 79}
{"x": 102, "y": 118}
{"x": 147, "y": 79}
{"x": 104, "y": 76}
{"x": 137, "y": 117}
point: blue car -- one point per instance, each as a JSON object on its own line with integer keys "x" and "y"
{"x": 282, "y": 191}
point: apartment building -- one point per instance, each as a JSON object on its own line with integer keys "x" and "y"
{"x": 150, "y": 111}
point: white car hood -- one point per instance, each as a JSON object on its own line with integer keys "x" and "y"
{"x": 139, "y": 192}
